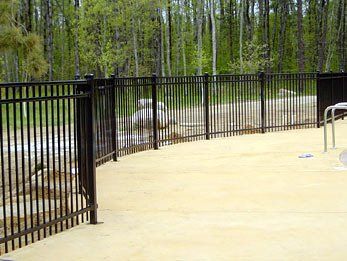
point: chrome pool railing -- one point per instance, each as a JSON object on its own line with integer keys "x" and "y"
{"x": 333, "y": 108}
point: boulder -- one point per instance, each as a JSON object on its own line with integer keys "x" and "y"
{"x": 147, "y": 103}
{"x": 144, "y": 119}
{"x": 285, "y": 93}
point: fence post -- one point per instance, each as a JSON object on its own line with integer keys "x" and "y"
{"x": 80, "y": 135}
{"x": 114, "y": 118}
{"x": 318, "y": 86}
{"x": 207, "y": 106}
{"x": 91, "y": 148}
{"x": 343, "y": 88}
{"x": 155, "y": 112}
{"x": 332, "y": 88}
{"x": 261, "y": 76}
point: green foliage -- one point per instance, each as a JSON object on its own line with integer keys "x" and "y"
{"x": 12, "y": 37}
{"x": 253, "y": 59}
{"x": 205, "y": 61}
{"x": 125, "y": 36}
{"x": 6, "y": 7}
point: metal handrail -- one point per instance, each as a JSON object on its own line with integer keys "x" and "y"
{"x": 333, "y": 108}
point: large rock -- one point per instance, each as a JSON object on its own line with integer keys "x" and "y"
{"x": 148, "y": 103}
{"x": 144, "y": 119}
{"x": 285, "y": 93}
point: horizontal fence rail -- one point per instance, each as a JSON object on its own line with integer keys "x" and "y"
{"x": 54, "y": 134}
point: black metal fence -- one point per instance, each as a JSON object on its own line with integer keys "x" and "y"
{"x": 45, "y": 137}
{"x": 54, "y": 134}
{"x": 331, "y": 89}
{"x": 158, "y": 111}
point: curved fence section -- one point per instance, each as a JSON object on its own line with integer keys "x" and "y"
{"x": 54, "y": 134}
{"x": 150, "y": 112}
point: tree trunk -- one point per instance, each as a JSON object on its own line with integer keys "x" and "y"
{"x": 261, "y": 19}
{"x": 274, "y": 30}
{"x": 162, "y": 45}
{"x": 7, "y": 68}
{"x": 76, "y": 44}
{"x": 241, "y": 36}
{"x": 283, "y": 27}
{"x": 341, "y": 32}
{"x": 169, "y": 38}
{"x": 323, "y": 24}
{"x": 178, "y": 40}
{"x": 301, "y": 45}
{"x": 199, "y": 36}
{"x": 49, "y": 37}
{"x": 134, "y": 33}
{"x": 183, "y": 38}
{"x": 252, "y": 19}
{"x": 247, "y": 20}
{"x": 267, "y": 34}
{"x": 28, "y": 22}
{"x": 62, "y": 33}
{"x": 231, "y": 29}
{"x": 331, "y": 46}
{"x": 214, "y": 39}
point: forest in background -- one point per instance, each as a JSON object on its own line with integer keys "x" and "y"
{"x": 171, "y": 37}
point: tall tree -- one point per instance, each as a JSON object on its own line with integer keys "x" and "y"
{"x": 200, "y": 6}
{"x": 169, "y": 37}
{"x": 49, "y": 36}
{"x": 241, "y": 36}
{"x": 301, "y": 45}
{"x": 323, "y": 26}
{"x": 214, "y": 38}
{"x": 281, "y": 44}
{"x": 76, "y": 40}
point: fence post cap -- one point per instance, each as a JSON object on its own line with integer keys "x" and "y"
{"x": 89, "y": 76}
{"x": 77, "y": 77}
{"x": 112, "y": 75}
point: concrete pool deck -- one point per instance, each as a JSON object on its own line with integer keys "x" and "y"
{"x": 240, "y": 198}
